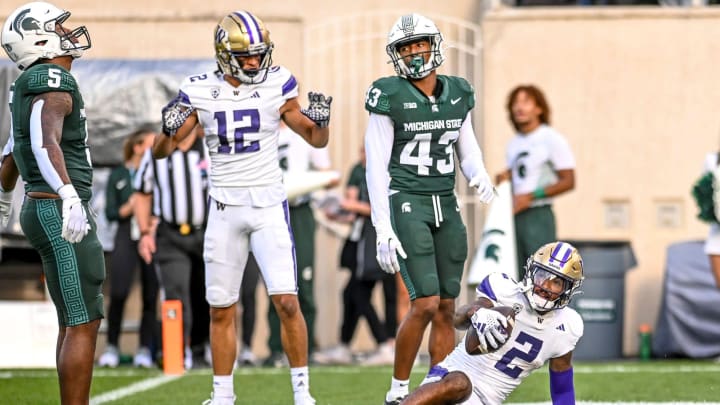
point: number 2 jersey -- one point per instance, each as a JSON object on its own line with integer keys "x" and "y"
{"x": 241, "y": 133}
{"x": 535, "y": 339}
{"x": 422, "y": 159}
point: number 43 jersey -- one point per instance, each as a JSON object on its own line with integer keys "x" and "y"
{"x": 535, "y": 339}
{"x": 422, "y": 159}
{"x": 241, "y": 127}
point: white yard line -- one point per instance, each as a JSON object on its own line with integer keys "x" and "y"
{"x": 132, "y": 389}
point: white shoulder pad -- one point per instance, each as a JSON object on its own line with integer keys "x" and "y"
{"x": 498, "y": 287}
{"x": 573, "y": 322}
{"x": 201, "y": 78}
{"x": 194, "y": 84}
{"x": 285, "y": 80}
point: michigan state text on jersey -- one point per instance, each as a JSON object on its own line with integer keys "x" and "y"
{"x": 422, "y": 159}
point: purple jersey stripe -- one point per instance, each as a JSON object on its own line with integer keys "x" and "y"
{"x": 247, "y": 26}
{"x": 289, "y": 85}
{"x": 286, "y": 211}
{"x": 437, "y": 371}
{"x": 485, "y": 288}
{"x": 183, "y": 97}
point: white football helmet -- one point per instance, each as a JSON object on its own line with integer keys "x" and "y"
{"x": 555, "y": 270}
{"x": 31, "y": 32}
{"x": 410, "y": 28}
{"x": 242, "y": 34}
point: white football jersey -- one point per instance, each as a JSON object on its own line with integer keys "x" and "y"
{"x": 534, "y": 158}
{"x": 711, "y": 162}
{"x": 535, "y": 339}
{"x": 241, "y": 131}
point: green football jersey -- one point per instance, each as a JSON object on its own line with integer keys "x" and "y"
{"x": 44, "y": 78}
{"x": 422, "y": 159}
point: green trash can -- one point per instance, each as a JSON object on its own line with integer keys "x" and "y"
{"x": 602, "y": 303}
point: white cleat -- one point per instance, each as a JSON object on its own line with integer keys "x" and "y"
{"x": 246, "y": 358}
{"x": 219, "y": 401}
{"x": 110, "y": 358}
{"x": 207, "y": 354}
{"x": 304, "y": 399}
{"x": 143, "y": 358}
{"x": 338, "y": 355}
{"x": 384, "y": 356}
{"x": 188, "y": 361}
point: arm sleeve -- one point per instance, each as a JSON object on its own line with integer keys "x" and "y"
{"x": 562, "y": 390}
{"x": 8, "y": 148}
{"x": 378, "y": 148}
{"x": 468, "y": 150}
{"x": 47, "y": 170}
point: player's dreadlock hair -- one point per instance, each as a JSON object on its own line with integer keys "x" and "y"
{"x": 537, "y": 95}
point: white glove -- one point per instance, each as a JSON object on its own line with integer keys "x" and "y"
{"x": 485, "y": 189}
{"x": 75, "y": 223}
{"x": 388, "y": 247}
{"x": 6, "y": 199}
{"x": 487, "y": 324}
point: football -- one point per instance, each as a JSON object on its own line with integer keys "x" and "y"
{"x": 472, "y": 340}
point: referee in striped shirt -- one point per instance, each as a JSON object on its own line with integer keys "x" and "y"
{"x": 173, "y": 190}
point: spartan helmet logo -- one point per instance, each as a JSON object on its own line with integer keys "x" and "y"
{"x": 408, "y": 26}
{"x": 493, "y": 251}
{"x": 25, "y": 24}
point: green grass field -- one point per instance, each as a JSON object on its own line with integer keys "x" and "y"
{"x": 671, "y": 381}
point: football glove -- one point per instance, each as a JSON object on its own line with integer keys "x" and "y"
{"x": 318, "y": 109}
{"x": 6, "y": 199}
{"x": 487, "y": 324}
{"x": 485, "y": 189}
{"x": 75, "y": 224}
{"x": 174, "y": 115}
{"x": 388, "y": 248}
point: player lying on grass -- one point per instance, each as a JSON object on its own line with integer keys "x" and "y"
{"x": 545, "y": 329}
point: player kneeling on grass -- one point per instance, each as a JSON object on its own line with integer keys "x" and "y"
{"x": 544, "y": 329}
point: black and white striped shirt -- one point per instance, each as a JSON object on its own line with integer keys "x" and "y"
{"x": 178, "y": 184}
